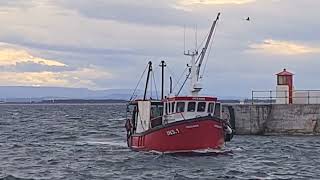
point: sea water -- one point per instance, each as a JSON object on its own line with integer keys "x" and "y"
{"x": 88, "y": 141}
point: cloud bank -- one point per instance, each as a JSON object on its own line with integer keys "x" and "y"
{"x": 106, "y": 44}
{"x": 277, "y": 47}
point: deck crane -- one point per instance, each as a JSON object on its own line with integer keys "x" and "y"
{"x": 195, "y": 66}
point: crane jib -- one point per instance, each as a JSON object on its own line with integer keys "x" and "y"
{"x": 204, "y": 49}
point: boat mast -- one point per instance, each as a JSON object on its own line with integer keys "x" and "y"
{"x": 147, "y": 82}
{"x": 162, "y": 65}
{"x": 195, "y": 68}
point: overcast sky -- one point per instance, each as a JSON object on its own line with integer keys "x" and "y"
{"x": 105, "y": 44}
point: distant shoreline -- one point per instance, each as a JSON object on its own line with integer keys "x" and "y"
{"x": 69, "y": 101}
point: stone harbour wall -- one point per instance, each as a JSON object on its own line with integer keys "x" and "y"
{"x": 273, "y": 119}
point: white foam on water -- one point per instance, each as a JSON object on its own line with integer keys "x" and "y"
{"x": 118, "y": 119}
{"x": 105, "y": 142}
{"x": 217, "y": 151}
{"x": 72, "y": 117}
{"x": 200, "y": 151}
{"x": 238, "y": 149}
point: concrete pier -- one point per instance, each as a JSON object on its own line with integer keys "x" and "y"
{"x": 288, "y": 119}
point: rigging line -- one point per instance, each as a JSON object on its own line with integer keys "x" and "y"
{"x": 204, "y": 39}
{"x": 201, "y": 46}
{"x": 180, "y": 78}
{"x": 155, "y": 85}
{"x": 138, "y": 83}
{"x": 211, "y": 44}
{"x": 171, "y": 72}
{"x": 184, "y": 83}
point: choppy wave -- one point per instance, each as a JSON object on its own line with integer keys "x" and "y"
{"x": 11, "y": 177}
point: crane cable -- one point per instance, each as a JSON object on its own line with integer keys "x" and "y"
{"x": 206, "y": 62}
{"x": 155, "y": 84}
{"x": 184, "y": 82}
{"x": 180, "y": 78}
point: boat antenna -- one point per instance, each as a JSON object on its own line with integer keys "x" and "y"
{"x": 196, "y": 37}
{"x": 162, "y": 65}
{"x": 184, "y": 39}
{"x": 147, "y": 81}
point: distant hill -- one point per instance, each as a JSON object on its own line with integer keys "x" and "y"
{"x": 27, "y": 93}
{"x": 37, "y": 94}
{"x": 77, "y": 101}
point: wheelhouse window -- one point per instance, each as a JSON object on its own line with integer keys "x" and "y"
{"x": 201, "y": 106}
{"x": 167, "y": 108}
{"x": 172, "y": 107}
{"x": 191, "y": 106}
{"x": 156, "y": 111}
{"x": 217, "y": 109}
{"x": 210, "y": 107}
{"x": 161, "y": 110}
{"x": 180, "y": 107}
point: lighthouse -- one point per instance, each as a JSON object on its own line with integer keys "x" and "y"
{"x": 285, "y": 87}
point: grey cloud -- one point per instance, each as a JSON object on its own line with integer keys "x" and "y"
{"x": 139, "y": 12}
{"x": 93, "y": 55}
{"x": 19, "y": 40}
{"x": 111, "y": 61}
{"x": 269, "y": 22}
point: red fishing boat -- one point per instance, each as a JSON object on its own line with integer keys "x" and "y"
{"x": 178, "y": 123}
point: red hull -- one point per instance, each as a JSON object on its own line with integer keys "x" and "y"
{"x": 182, "y": 136}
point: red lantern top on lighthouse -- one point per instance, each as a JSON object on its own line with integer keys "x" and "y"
{"x": 285, "y": 78}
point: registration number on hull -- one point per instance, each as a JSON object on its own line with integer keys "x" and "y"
{"x": 173, "y": 132}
